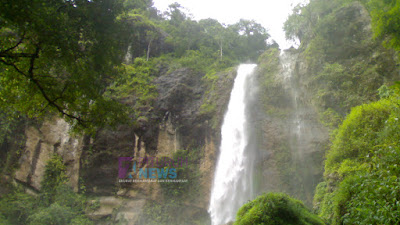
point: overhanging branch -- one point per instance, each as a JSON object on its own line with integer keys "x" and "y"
{"x": 30, "y": 75}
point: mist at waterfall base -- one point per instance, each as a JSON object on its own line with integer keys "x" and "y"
{"x": 233, "y": 179}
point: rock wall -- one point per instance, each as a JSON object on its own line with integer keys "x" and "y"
{"x": 52, "y": 137}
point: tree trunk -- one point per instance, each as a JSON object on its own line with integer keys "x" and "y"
{"x": 148, "y": 50}
{"x": 220, "y": 49}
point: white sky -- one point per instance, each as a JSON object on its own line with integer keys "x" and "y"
{"x": 270, "y": 13}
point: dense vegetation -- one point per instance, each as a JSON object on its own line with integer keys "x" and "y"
{"x": 361, "y": 169}
{"x": 62, "y": 56}
{"x": 349, "y": 70}
{"x": 58, "y": 56}
{"x": 346, "y": 65}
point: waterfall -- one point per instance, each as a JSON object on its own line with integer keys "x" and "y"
{"x": 287, "y": 61}
{"x": 233, "y": 178}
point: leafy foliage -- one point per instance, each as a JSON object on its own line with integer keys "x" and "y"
{"x": 12, "y": 140}
{"x": 16, "y": 207}
{"x": 277, "y": 209}
{"x": 347, "y": 68}
{"x": 58, "y": 56}
{"x": 358, "y": 134}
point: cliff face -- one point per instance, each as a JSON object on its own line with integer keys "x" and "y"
{"x": 41, "y": 143}
{"x": 177, "y": 123}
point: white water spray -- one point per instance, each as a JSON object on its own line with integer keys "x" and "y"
{"x": 233, "y": 178}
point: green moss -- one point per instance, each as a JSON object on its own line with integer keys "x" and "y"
{"x": 277, "y": 209}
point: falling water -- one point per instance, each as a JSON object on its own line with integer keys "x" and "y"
{"x": 305, "y": 133}
{"x": 233, "y": 180}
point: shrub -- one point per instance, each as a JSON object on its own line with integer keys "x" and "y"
{"x": 54, "y": 176}
{"x": 275, "y": 209}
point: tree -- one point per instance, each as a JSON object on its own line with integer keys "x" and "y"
{"x": 58, "y": 56}
{"x": 218, "y": 33}
{"x": 175, "y": 15}
{"x": 151, "y": 35}
{"x": 252, "y": 39}
{"x": 298, "y": 24}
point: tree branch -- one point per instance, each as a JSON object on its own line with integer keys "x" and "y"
{"x": 16, "y": 55}
{"x": 41, "y": 89}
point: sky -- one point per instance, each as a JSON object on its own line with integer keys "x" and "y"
{"x": 269, "y": 13}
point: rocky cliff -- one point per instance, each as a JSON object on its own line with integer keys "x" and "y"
{"x": 177, "y": 124}
{"x": 291, "y": 139}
